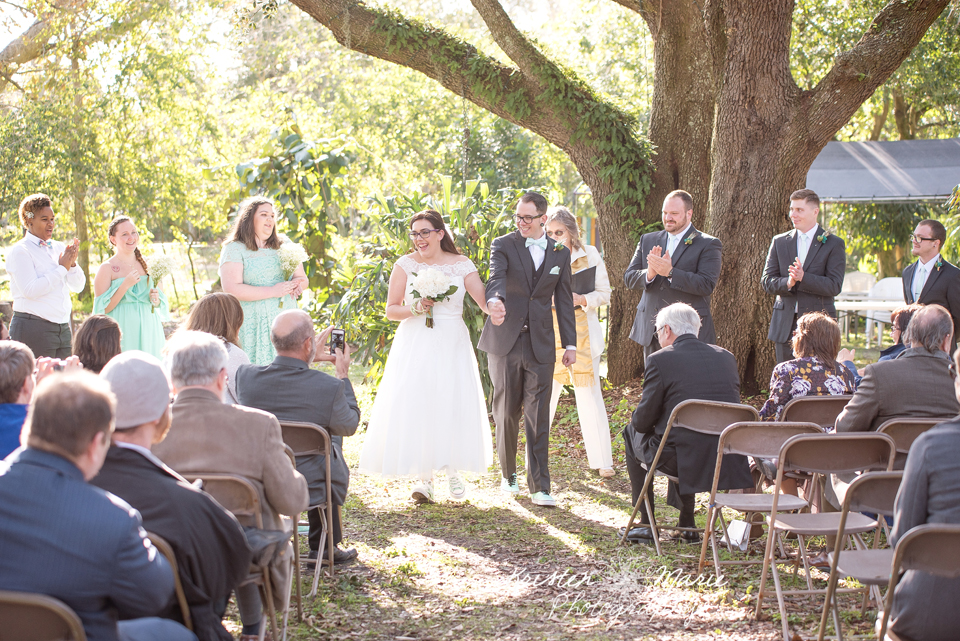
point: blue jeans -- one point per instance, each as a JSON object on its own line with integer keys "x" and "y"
{"x": 153, "y": 629}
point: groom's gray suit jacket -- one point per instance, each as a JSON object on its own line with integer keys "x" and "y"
{"x": 528, "y": 298}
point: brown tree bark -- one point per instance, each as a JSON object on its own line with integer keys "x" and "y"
{"x": 729, "y": 123}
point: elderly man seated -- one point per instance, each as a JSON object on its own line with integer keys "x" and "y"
{"x": 62, "y": 537}
{"x": 685, "y": 368}
{"x": 917, "y": 383}
{"x": 207, "y": 435}
{"x": 291, "y": 391}
{"x": 211, "y": 550}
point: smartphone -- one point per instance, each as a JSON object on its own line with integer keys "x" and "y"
{"x": 338, "y": 340}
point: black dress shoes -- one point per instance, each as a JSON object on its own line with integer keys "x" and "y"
{"x": 642, "y": 534}
{"x": 689, "y": 537}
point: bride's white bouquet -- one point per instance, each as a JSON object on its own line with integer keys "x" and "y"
{"x": 159, "y": 266}
{"x": 432, "y": 284}
{"x": 291, "y": 256}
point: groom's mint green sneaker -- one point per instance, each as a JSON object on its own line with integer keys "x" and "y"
{"x": 509, "y": 485}
{"x": 544, "y": 499}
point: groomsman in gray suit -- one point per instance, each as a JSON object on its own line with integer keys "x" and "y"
{"x": 528, "y": 272}
{"x": 677, "y": 265}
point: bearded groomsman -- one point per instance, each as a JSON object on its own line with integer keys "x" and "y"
{"x": 932, "y": 280}
{"x": 677, "y": 265}
{"x": 804, "y": 271}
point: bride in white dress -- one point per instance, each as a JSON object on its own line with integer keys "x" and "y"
{"x": 430, "y": 413}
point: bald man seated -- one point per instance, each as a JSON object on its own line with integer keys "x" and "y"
{"x": 291, "y": 391}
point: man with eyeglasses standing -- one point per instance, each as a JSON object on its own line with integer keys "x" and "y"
{"x": 932, "y": 280}
{"x": 804, "y": 271}
{"x": 528, "y": 272}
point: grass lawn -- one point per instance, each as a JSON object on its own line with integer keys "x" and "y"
{"x": 493, "y": 567}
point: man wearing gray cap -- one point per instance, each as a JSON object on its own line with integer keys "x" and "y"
{"x": 211, "y": 550}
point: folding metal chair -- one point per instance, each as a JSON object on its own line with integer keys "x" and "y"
{"x": 705, "y": 417}
{"x": 822, "y": 410}
{"x": 904, "y": 431}
{"x": 309, "y": 439}
{"x": 757, "y": 439}
{"x": 26, "y": 616}
{"x": 238, "y": 495}
{"x": 818, "y": 455}
{"x": 873, "y": 492}
{"x": 167, "y": 551}
{"x": 933, "y": 548}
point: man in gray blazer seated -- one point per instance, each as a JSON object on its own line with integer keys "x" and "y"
{"x": 917, "y": 383}
{"x": 64, "y": 538}
{"x": 291, "y": 391}
{"x": 804, "y": 271}
{"x": 677, "y": 265}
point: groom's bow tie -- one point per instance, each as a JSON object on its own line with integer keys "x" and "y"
{"x": 539, "y": 242}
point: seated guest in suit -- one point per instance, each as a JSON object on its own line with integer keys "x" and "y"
{"x": 211, "y": 550}
{"x": 899, "y": 319}
{"x": 64, "y": 538}
{"x": 918, "y": 383}
{"x": 291, "y": 391}
{"x": 207, "y": 435}
{"x": 685, "y": 368}
{"x": 96, "y": 342}
{"x": 929, "y": 493}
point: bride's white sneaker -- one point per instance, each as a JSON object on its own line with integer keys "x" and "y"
{"x": 423, "y": 493}
{"x": 458, "y": 489}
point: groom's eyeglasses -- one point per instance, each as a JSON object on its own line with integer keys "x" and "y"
{"x": 423, "y": 233}
{"x": 526, "y": 219}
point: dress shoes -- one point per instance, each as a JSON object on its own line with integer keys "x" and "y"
{"x": 642, "y": 534}
{"x": 340, "y": 557}
{"x": 687, "y": 537}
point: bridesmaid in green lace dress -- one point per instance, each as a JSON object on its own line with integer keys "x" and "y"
{"x": 250, "y": 270}
{"x": 123, "y": 292}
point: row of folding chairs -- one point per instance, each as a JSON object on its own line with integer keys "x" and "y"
{"x": 35, "y": 617}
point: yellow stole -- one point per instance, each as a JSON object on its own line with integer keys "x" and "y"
{"x": 581, "y": 373}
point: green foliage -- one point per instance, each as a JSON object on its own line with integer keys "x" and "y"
{"x": 475, "y": 219}
{"x": 306, "y": 180}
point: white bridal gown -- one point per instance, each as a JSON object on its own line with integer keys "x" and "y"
{"x": 429, "y": 411}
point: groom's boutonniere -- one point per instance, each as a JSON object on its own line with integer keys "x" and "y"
{"x": 688, "y": 240}
{"x": 559, "y": 247}
{"x": 823, "y": 237}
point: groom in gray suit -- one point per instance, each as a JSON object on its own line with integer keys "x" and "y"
{"x": 528, "y": 274}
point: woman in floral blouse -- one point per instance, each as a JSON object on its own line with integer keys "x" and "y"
{"x": 815, "y": 370}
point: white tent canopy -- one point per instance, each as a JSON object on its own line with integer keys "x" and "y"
{"x": 893, "y": 171}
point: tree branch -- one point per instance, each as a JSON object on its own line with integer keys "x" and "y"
{"x": 526, "y": 56}
{"x": 857, "y": 73}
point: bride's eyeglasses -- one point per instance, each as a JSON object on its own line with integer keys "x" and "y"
{"x": 423, "y": 233}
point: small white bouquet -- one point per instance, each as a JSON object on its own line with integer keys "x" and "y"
{"x": 291, "y": 256}
{"x": 432, "y": 284}
{"x": 159, "y": 266}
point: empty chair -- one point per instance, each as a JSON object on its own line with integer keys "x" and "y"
{"x": 904, "y": 431}
{"x": 856, "y": 285}
{"x": 26, "y": 616}
{"x": 704, "y": 417}
{"x": 757, "y": 439}
{"x": 873, "y": 492}
{"x": 885, "y": 289}
{"x": 818, "y": 455}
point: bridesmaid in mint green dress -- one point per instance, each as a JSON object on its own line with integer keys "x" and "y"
{"x": 250, "y": 270}
{"x": 123, "y": 292}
